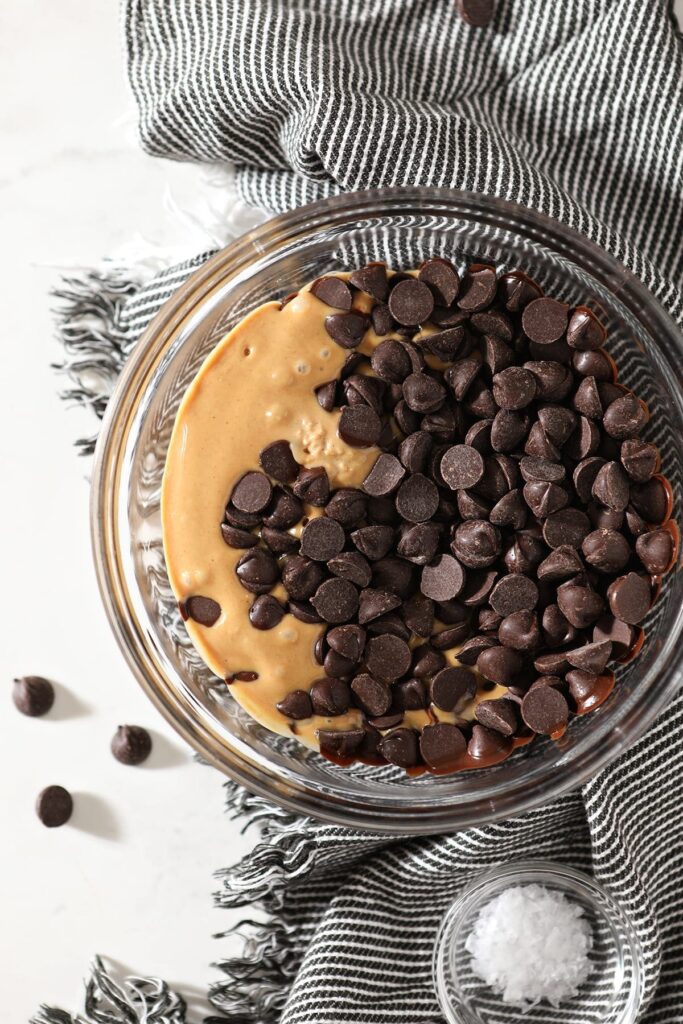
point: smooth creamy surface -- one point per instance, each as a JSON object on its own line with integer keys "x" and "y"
{"x": 258, "y": 386}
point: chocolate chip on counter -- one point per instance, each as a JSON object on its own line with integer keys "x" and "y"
{"x": 340, "y": 743}
{"x": 501, "y": 715}
{"x": 486, "y": 745}
{"x": 581, "y": 606}
{"x": 476, "y": 544}
{"x": 131, "y": 744}
{"x": 374, "y": 602}
{"x": 312, "y": 486}
{"x": 330, "y": 697}
{"x": 650, "y": 501}
{"x": 322, "y": 538}
{"x": 514, "y": 593}
{"x": 54, "y": 806}
{"x": 359, "y": 426}
{"x": 585, "y": 332}
{"x": 411, "y": 302}
{"x": 591, "y": 657}
{"x": 336, "y": 600}
{"x": 384, "y": 477}
{"x": 284, "y": 511}
{"x": 499, "y": 665}
{"x": 619, "y": 634}
{"x": 517, "y": 290}
{"x": 348, "y": 506}
{"x": 520, "y": 631}
{"x": 558, "y": 421}
{"x": 326, "y": 395}
{"x": 611, "y": 487}
{"x": 441, "y": 745}
{"x": 300, "y": 577}
{"x": 560, "y": 564}
{"x": 252, "y": 493}
{"x": 443, "y": 580}
{"x": 372, "y": 696}
{"x": 655, "y": 550}
{"x": 629, "y": 598}
{"x": 205, "y": 610}
{"x": 373, "y": 541}
{"x": 352, "y": 566}
{"x": 545, "y": 710}
{"x": 33, "y": 695}
{"x": 445, "y": 344}
{"x": 333, "y": 291}
{"x": 569, "y": 526}
{"x": 442, "y": 279}
{"x": 346, "y": 329}
{"x": 236, "y": 538}
{"x": 606, "y": 550}
{"x": 426, "y": 661}
{"x": 478, "y": 288}
{"x": 418, "y": 542}
{"x": 514, "y": 388}
{"x": 625, "y": 417}
{"x": 387, "y": 657}
{"x": 462, "y": 467}
{"x": 373, "y": 280}
{"x": 257, "y": 571}
{"x": 450, "y": 686}
{"x": 266, "y": 612}
{"x": 400, "y": 747}
{"x": 545, "y": 320}
{"x": 639, "y": 459}
{"x": 417, "y": 499}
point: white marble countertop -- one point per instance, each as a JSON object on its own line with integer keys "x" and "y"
{"x": 131, "y": 876}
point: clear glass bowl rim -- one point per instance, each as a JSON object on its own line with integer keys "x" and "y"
{"x": 551, "y": 874}
{"x": 288, "y": 788}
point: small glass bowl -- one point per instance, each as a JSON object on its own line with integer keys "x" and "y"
{"x": 610, "y": 995}
{"x": 401, "y": 226}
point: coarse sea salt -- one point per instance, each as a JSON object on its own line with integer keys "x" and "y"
{"x": 531, "y": 943}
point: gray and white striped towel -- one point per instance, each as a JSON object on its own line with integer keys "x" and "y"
{"x": 574, "y": 107}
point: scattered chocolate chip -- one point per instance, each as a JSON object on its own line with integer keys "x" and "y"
{"x": 619, "y": 634}
{"x": 352, "y": 566}
{"x": 131, "y": 744}
{"x": 372, "y": 696}
{"x": 569, "y": 526}
{"x": 347, "y": 329}
{"x": 374, "y": 603}
{"x": 252, "y": 493}
{"x": 520, "y": 630}
{"x": 650, "y": 501}
{"x": 443, "y": 580}
{"x": 445, "y": 345}
{"x": 585, "y": 332}
{"x": 417, "y": 499}
{"x": 462, "y": 467}
{"x": 553, "y": 380}
{"x": 296, "y": 705}
{"x": 517, "y": 290}
{"x": 54, "y": 806}
{"x": 611, "y": 487}
{"x": 300, "y": 577}
{"x": 284, "y": 511}
{"x": 33, "y": 695}
{"x": 560, "y": 564}
{"x": 514, "y": 388}
{"x": 591, "y": 657}
{"x": 326, "y": 395}
{"x": 580, "y": 605}
{"x": 629, "y": 598}
{"x": 373, "y": 541}
{"x": 384, "y": 477}
{"x": 312, "y": 486}
{"x": 442, "y": 279}
{"x": 204, "y": 610}
{"x": 348, "y": 506}
{"x": 236, "y": 538}
{"x": 450, "y": 686}
{"x": 478, "y": 585}
{"x": 333, "y": 291}
{"x": 266, "y": 612}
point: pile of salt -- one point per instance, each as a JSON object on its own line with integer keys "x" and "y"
{"x": 531, "y": 943}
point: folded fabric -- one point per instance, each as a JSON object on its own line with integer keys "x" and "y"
{"x": 574, "y": 108}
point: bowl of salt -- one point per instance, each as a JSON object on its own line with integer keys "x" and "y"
{"x": 537, "y": 941}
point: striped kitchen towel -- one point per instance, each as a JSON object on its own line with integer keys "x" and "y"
{"x": 573, "y": 107}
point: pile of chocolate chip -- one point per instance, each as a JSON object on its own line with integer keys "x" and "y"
{"x": 512, "y": 512}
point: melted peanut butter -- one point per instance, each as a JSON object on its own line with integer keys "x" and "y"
{"x": 258, "y": 386}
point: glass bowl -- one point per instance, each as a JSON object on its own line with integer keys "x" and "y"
{"x": 400, "y": 226}
{"x": 610, "y": 995}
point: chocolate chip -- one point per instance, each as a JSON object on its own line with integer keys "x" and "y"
{"x": 266, "y": 612}
{"x": 423, "y": 393}
{"x": 544, "y": 498}
{"x": 205, "y": 610}
{"x": 411, "y": 302}
{"x": 479, "y": 401}
{"x": 349, "y": 641}
{"x": 471, "y": 506}
{"x": 426, "y": 661}
{"x": 584, "y": 476}
{"x": 346, "y": 329}
{"x": 514, "y": 388}
{"x": 374, "y": 603}
{"x": 535, "y": 469}
{"x": 478, "y": 584}
{"x": 350, "y": 565}
{"x": 337, "y": 666}
{"x": 326, "y": 395}
{"x": 295, "y": 705}
{"x": 54, "y": 806}
{"x": 418, "y": 615}
{"x": 587, "y": 399}
{"x": 478, "y": 288}
{"x": 629, "y": 598}
{"x": 384, "y": 477}
{"x": 514, "y": 593}
{"x": 655, "y": 550}
{"x": 651, "y": 501}
{"x": 500, "y": 715}
{"x": 372, "y": 696}
{"x": 526, "y": 552}
{"x": 312, "y": 486}
{"x": 445, "y": 345}
{"x": 391, "y": 362}
{"x": 560, "y": 564}
{"x": 442, "y": 279}
{"x": 252, "y": 493}
{"x": 359, "y": 426}
{"x": 488, "y": 745}
{"x": 508, "y": 430}
{"x": 581, "y": 606}
{"x": 606, "y": 550}
{"x": 499, "y": 665}
{"x": 520, "y": 631}
{"x": 373, "y": 280}
{"x": 442, "y": 745}
{"x": 382, "y": 320}
{"x": 604, "y": 518}
{"x": 443, "y": 580}
{"x": 462, "y": 375}
{"x": 330, "y": 697}
{"x": 333, "y": 291}
{"x": 336, "y": 600}
{"x": 557, "y": 631}
{"x": 545, "y": 320}
{"x": 558, "y": 422}
{"x": 347, "y": 506}
{"x": 33, "y": 695}
{"x": 545, "y": 710}
{"x": 387, "y": 657}
{"x": 258, "y": 573}
{"x": 340, "y": 743}
{"x": 241, "y": 520}
{"x": 639, "y": 459}
{"x": 585, "y": 332}
{"x": 553, "y": 380}
{"x": 373, "y": 541}
{"x": 131, "y": 744}
{"x": 625, "y": 417}
{"x": 510, "y": 510}
{"x": 279, "y": 541}
{"x": 591, "y": 657}
{"x": 393, "y": 574}
{"x": 472, "y": 648}
{"x": 417, "y": 499}
{"x": 450, "y": 686}
{"x": 619, "y": 634}
{"x": 517, "y": 290}
{"x": 400, "y": 747}
{"x": 611, "y": 487}
{"x": 359, "y": 389}
{"x": 418, "y": 542}
{"x": 300, "y": 577}
{"x": 568, "y": 526}
{"x": 284, "y": 511}
{"x": 552, "y": 663}
{"x": 322, "y": 538}
{"x": 462, "y": 467}
{"x": 236, "y": 538}
{"x": 476, "y": 544}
